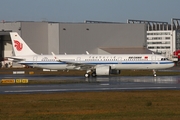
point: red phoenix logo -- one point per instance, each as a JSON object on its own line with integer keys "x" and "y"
{"x": 18, "y": 45}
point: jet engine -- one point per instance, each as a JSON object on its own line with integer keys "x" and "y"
{"x": 106, "y": 70}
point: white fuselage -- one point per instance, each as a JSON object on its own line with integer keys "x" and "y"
{"x": 97, "y": 64}
{"x": 115, "y": 61}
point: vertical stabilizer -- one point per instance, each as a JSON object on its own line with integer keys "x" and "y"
{"x": 19, "y": 46}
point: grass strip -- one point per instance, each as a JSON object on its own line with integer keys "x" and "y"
{"x": 113, "y": 105}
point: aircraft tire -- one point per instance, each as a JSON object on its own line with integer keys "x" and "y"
{"x": 93, "y": 74}
{"x": 86, "y": 75}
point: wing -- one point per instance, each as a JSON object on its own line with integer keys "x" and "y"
{"x": 77, "y": 65}
{"x": 80, "y": 66}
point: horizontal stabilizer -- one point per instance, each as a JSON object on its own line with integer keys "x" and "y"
{"x": 15, "y": 59}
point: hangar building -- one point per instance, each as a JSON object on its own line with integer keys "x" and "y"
{"x": 75, "y": 38}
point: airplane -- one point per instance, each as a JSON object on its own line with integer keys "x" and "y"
{"x": 93, "y": 64}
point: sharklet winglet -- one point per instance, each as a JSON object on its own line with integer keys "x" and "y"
{"x": 56, "y": 57}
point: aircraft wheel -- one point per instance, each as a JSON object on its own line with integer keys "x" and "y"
{"x": 86, "y": 75}
{"x": 154, "y": 73}
{"x": 93, "y": 74}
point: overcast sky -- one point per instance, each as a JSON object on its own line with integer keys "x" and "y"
{"x": 81, "y": 10}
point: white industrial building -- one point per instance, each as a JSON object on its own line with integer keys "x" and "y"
{"x": 162, "y": 38}
{"x": 161, "y": 42}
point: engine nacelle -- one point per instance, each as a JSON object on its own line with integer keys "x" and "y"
{"x": 103, "y": 70}
{"x": 106, "y": 70}
{"x": 115, "y": 72}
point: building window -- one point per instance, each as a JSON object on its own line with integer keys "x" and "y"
{"x": 167, "y": 38}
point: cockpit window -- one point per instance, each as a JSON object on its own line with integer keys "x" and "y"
{"x": 163, "y": 59}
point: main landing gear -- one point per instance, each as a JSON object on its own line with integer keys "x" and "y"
{"x": 87, "y": 74}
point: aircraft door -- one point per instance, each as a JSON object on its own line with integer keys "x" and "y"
{"x": 153, "y": 59}
{"x": 78, "y": 59}
{"x": 119, "y": 60}
{"x": 35, "y": 61}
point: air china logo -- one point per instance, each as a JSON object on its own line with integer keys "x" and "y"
{"x": 18, "y": 45}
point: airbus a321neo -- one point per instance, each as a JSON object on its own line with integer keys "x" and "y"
{"x": 93, "y": 64}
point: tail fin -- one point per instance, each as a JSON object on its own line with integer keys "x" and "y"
{"x": 19, "y": 46}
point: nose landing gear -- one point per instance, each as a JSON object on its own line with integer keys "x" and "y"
{"x": 154, "y": 73}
